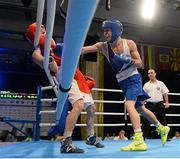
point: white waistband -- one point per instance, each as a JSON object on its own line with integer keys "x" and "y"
{"x": 120, "y": 76}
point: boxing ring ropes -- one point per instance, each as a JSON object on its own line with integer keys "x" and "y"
{"x": 124, "y": 113}
{"x": 51, "y": 7}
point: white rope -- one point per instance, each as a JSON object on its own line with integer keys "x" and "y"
{"x": 174, "y": 94}
{"x": 129, "y": 124}
{"x": 51, "y": 8}
{"x": 102, "y": 125}
{"x": 174, "y": 104}
{"x": 49, "y": 100}
{"x": 109, "y": 125}
{"x": 166, "y": 114}
{"x": 105, "y": 113}
{"x": 62, "y": 12}
{"x": 168, "y": 124}
{"x": 46, "y": 88}
{"x": 121, "y": 124}
{"x": 106, "y": 90}
{"x": 55, "y": 80}
{"x": 172, "y": 114}
{"x": 39, "y": 17}
{"x": 97, "y": 113}
{"x": 105, "y": 125}
{"x": 47, "y": 124}
{"x": 96, "y": 101}
{"x": 173, "y": 124}
{"x": 47, "y": 112}
{"x": 117, "y": 90}
{"x": 108, "y": 101}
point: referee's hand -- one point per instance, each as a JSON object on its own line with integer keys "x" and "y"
{"x": 166, "y": 105}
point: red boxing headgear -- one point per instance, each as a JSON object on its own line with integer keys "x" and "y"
{"x": 30, "y": 35}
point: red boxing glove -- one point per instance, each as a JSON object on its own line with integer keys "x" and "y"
{"x": 42, "y": 43}
{"x": 90, "y": 82}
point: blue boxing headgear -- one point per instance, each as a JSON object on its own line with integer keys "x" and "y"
{"x": 115, "y": 26}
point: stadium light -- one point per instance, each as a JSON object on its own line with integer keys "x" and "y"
{"x": 148, "y": 8}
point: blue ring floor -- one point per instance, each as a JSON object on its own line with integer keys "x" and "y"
{"x": 50, "y": 149}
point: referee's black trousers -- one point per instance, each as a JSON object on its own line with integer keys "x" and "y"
{"x": 159, "y": 111}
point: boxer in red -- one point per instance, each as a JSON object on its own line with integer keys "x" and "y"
{"x": 79, "y": 95}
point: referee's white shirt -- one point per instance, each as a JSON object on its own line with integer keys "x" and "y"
{"x": 155, "y": 90}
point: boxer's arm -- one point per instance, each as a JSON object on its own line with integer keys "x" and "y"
{"x": 93, "y": 48}
{"x": 135, "y": 54}
{"x": 37, "y": 57}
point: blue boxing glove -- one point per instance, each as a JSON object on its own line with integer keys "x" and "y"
{"x": 58, "y": 49}
{"x": 120, "y": 59}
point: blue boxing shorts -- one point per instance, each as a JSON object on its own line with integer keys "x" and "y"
{"x": 132, "y": 89}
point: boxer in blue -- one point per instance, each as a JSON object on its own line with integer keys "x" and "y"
{"x": 124, "y": 58}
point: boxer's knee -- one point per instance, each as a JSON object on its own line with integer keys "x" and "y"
{"x": 91, "y": 109}
{"x": 78, "y": 106}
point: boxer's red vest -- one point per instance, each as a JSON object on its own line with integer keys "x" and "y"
{"x": 85, "y": 84}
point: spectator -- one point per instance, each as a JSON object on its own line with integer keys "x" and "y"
{"x": 121, "y": 136}
{"x": 29, "y": 133}
{"x": 10, "y": 138}
{"x": 177, "y": 135}
{"x": 108, "y": 137}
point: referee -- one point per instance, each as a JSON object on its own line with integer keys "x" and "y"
{"x": 158, "y": 92}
